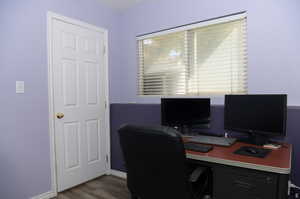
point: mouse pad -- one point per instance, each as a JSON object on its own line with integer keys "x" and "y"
{"x": 261, "y": 153}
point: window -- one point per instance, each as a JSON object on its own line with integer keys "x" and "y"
{"x": 207, "y": 58}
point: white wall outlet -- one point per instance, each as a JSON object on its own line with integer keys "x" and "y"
{"x": 20, "y": 87}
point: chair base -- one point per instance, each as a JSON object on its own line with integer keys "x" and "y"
{"x": 134, "y": 197}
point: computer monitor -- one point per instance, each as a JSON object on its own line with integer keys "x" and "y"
{"x": 258, "y": 115}
{"x": 185, "y": 112}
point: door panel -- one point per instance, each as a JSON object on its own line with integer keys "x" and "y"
{"x": 72, "y": 145}
{"x": 92, "y": 83}
{"x": 79, "y": 93}
{"x": 69, "y": 40}
{"x": 93, "y": 140}
{"x": 70, "y": 84}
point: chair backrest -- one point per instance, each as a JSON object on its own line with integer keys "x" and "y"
{"x": 155, "y": 161}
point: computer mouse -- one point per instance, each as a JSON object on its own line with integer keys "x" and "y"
{"x": 253, "y": 151}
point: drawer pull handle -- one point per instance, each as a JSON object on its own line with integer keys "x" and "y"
{"x": 243, "y": 185}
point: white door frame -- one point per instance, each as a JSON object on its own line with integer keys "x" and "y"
{"x": 50, "y": 17}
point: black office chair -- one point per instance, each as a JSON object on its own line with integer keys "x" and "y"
{"x": 156, "y": 164}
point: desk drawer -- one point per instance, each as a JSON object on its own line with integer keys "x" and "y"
{"x": 237, "y": 183}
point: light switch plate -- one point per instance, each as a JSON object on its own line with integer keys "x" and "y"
{"x": 20, "y": 87}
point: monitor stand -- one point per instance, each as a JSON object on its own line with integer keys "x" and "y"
{"x": 255, "y": 139}
{"x": 192, "y": 130}
{"x": 184, "y": 129}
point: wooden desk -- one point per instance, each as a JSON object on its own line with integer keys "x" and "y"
{"x": 278, "y": 161}
{"x": 237, "y": 176}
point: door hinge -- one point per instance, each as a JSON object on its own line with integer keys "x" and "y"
{"x": 107, "y": 159}
{"x": 105, "y": 104}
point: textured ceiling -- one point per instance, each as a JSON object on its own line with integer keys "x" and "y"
{"x": 121, "y": 4}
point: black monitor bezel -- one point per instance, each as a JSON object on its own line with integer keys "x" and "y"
{"x": 251, "y": 131}
{"x": 163, "y": 119}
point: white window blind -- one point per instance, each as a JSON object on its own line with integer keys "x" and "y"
{"x": 208, "y": 60}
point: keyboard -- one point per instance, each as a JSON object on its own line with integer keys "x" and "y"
{"x": 222, "y": 141}
{"x": 197, "y": 147}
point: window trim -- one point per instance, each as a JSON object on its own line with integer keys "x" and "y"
{"x": 214, "y": 21}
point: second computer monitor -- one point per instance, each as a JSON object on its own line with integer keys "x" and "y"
{"x": 185, "y": 112}
{"x": 256, "y": 114}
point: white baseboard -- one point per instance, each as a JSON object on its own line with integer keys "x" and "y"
{"x": 119, "y": 174}
{"x": 47, "y": 195}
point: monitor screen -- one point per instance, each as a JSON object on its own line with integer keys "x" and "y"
{"x": 178, "y": 112}
{"x": 262, "y": 114}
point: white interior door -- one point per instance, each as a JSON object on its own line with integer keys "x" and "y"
{"x": 78, "y": 62}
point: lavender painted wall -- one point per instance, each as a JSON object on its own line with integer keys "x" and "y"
{"x": 273, "y": 40}
{"x": 149, "y": 114}
{"x": 24, "y": 137}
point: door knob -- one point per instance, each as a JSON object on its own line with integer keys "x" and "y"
{"x": 60, "y": 115}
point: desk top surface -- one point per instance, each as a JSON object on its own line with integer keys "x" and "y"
{"x": 278, "y": 161}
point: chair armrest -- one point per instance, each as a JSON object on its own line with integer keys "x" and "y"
{"x": 197, "y": 173}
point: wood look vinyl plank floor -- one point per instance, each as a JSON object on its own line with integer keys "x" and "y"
{"x": 105, "y": 187}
